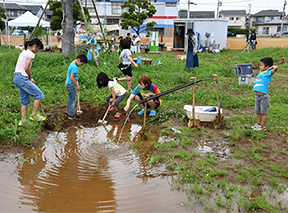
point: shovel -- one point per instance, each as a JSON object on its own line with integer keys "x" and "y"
{"x": 79, "y": 112}
{"x": 103, "y": 120}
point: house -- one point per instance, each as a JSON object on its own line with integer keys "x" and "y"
{"x": 264, "y": 16}
{"x": 269, "y": 28}
{"x": 37, "y": 10}
{"x": 110, "y": 11}
{"x": 236, "y": 18}
{"x": 14, "y": 10}
{"x": 196, "y": 14}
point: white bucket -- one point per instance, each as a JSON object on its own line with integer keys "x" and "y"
{"x": 200, "y": 114}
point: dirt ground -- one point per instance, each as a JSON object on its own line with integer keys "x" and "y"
{"x": 232, "y": 43}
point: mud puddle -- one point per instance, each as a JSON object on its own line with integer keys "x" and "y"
{"x": 87, "y": 170}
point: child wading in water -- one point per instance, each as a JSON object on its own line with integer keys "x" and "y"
{"x": 125, "y": 66}
{"x": 72, "y": 85}
{"x": 25, "y": 83}
{"x": 118, "y": 92}
{"x": 260, "y": 88}
{"x": 145, "y": 88}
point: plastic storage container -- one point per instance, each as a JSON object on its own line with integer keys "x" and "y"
{"x": 201, "y": 112}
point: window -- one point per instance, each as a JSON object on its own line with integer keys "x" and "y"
{"x": 283, "y": 29}
{"x": 13, "y": 14}
{"x": 270, "y": 18}
{"x": 231, "y": 18}
{"x": 238, "y": 18}
{"x": 161, "y": 31}
{"x": 116, "y": 7}
{"x": 258, "y": 19}
{"x": 171, "y": 4}
{"x": 265, "y": 30}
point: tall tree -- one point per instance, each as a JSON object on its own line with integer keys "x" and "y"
{"x": 2, "y": 15}
{"x": 56, "y": 7}
{"x": 136, "y": 13}
{"x": 68, "y": 28}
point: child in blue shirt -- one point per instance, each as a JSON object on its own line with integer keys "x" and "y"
{"x": 71, "y": 84}
{"x": 260, "y": 88}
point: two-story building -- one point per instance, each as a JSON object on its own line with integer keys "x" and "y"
{"x": 14, "y": 10}
{"x": 264, "y": 16}
{"x": 271, "y": 28}
{"x": 109, "y": 12}
{"x": 236, "y": 18}
{"x": 37, "y": 10}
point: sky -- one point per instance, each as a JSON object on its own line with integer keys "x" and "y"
{"x": 208, "y": 5}
{"x": 256, "y": 5}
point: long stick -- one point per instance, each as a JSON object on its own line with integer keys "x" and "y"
{"x": 3, "y": 38}
{"x": 216, "y": 85}
{"x": 94, "y": 5}
{"x": 193, "y": 100}
{"x": 86, "y": 23}
{"x": 39, "y": 19}
{"x": 144, "y": 122}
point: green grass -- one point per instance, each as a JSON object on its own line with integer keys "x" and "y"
{"x": 230, "y": 182}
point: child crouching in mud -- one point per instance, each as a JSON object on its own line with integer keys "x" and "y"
{"x": 118, "y": 92}
{"x": 145, "y": 88}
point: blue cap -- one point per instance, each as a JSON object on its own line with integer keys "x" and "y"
{"x": 120, "y": 37}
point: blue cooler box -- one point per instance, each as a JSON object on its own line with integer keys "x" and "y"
{"x": 245, "y": 73}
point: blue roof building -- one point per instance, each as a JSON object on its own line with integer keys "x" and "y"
{"x": 110, "y": 10}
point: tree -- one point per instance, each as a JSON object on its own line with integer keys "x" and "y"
{"x": 57, "y": 15}
{"x": 2, "y": 15}
{"x": 68, "y": 28}
{"x": 138, "y": 11}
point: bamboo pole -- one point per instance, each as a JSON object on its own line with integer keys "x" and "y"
{"x": 91, "y": 45}
{"x": 193, "y": 100}
{"x": 39, "y": 19}
{"x": 94, "y": 5}
{"x": 3, "y": 38}
{"x": 216, "y": 86}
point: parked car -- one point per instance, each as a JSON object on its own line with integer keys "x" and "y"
{"x": 18, "y": 32}
{"x": 285, "y": 34}
{"x": 230, "y": 34}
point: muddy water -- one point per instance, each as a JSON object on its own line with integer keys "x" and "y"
{"x": 86, "y": 170}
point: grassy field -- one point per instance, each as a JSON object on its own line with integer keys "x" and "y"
{"x": 256, "y": 158}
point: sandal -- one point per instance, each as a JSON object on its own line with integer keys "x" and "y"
{"x": 117, "y": 115}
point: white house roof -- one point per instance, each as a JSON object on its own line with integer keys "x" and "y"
{"x": 27, "y": 19}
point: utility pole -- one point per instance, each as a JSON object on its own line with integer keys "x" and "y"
{"x": 218, "y": 5}
{"x": 248, "y": 17}
{"x": 188, "y": 11}
{"x": 283, "y": 16}
{"x": 6, "y": 23}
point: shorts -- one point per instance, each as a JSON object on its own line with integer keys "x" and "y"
{"x": 262, "y": 104}
{"x": 156, "y": 101}
{"x": 125, "y": 69}
{"x": 26, "y": 88}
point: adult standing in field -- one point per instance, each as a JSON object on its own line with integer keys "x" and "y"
{"x": 138, "y": 42}
{"x": 248, "y": 41}
{"x": 253, "y": 41}
{"x": 191, "y": 44}
{"x": 25, "y": 83}
{"x": 59, "y": 40}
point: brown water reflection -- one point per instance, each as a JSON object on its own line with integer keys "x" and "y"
{"x": 85, "y": 170}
